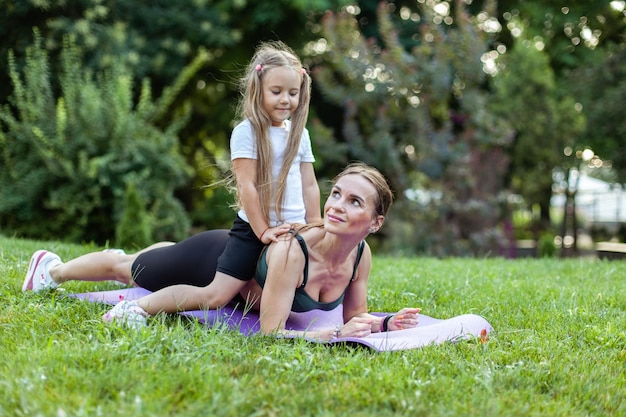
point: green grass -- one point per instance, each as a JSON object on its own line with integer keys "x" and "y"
{"x": 559, "y": 349}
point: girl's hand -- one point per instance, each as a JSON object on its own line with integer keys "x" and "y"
{"x": 271, "y": 233}
{"x": 406, "y": 318}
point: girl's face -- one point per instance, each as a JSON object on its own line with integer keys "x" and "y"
{"x": 281, "y": 93}
{"x": 351, "y": 206}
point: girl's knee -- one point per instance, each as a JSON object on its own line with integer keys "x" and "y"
{"x": 122, "y": 271}
{"x": 215, "y": 297}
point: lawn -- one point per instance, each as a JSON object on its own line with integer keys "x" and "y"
{"x": 558, "y": 349}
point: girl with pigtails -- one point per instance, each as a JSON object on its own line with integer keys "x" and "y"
{"x": 276, "y": 187}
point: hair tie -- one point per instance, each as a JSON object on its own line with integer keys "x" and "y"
{"x": 259, "y": 67}
{"x": 303, "y": 71}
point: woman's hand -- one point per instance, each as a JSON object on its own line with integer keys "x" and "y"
{"x": 406, "y": 318}
{"x": 356, "y": 327}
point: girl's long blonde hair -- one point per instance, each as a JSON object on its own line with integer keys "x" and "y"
{"x": 267, "y": 56}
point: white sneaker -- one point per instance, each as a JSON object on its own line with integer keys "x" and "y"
{"x": 38, "y": 278}
{"x": 127, "y": 313}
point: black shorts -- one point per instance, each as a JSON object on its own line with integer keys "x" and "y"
{"x": 242, "y": 252}
{"x": 192, "y": 261}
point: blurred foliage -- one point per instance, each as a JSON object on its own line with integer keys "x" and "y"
{"x": 601, "y": 88}
{"x": 67, "y": 156}
{"x": 541, "y": 134}
{"x": 546, "y": 247}
{"x": 421, "y": 116}
{"x": 155, "y": 40}
{"x": 568, "y": 32}
{"x": 583, "y": 42}
{"x": 134, "y": 230}
{"x": 470, "y": 140}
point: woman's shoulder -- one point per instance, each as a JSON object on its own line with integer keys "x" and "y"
{"x": 288, "y": 248}
{"x": 299, "y": 239}
{"x": 311, "y": 233}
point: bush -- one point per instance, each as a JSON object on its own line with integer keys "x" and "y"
{"x": 133, "y": 230}
{"x": 68, "y": 155}
{"x": 545, "y": 246}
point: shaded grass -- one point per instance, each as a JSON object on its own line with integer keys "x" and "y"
{"x": 559, "y": 348}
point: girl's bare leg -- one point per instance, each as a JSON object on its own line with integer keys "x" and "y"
{"x": 176, "y": 298}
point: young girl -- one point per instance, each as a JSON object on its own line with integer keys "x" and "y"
{"x": 272, "y": 162}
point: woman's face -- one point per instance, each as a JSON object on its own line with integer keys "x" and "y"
{"x": 281, "y": 93}
{"x": 351, "y": 206}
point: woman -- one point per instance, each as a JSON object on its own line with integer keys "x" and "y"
{"x": 337, "y": 259}
{"x": 313, "y": 267}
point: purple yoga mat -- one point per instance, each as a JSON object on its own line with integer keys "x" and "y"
{"x": 429, "y": 331}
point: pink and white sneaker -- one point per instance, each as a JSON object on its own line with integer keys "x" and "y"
{"x": 38, "y": 278}
{"x": 127, "y": 313}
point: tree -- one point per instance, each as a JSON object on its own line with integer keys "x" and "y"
{"x": 545, "y": 122}
{"x": 583, "y": 41}
{"x": 566, "y": 31}
{"x": 155, "y": 40}
{"x": 421, "y": 116}
{"x": 601, "y": 89}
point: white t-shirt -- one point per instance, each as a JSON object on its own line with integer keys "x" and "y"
{"x": 243, "y": 145}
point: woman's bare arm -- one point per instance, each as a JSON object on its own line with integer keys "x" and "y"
{"x": 285, "y": 265}
{"x": 355, "y": 302}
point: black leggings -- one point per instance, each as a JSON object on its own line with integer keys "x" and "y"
{"x": 192, "y": 261}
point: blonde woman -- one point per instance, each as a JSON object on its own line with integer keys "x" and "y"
{"x": 313, "y": 267}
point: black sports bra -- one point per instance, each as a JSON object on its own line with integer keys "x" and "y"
{"x": 302, "y": 301}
